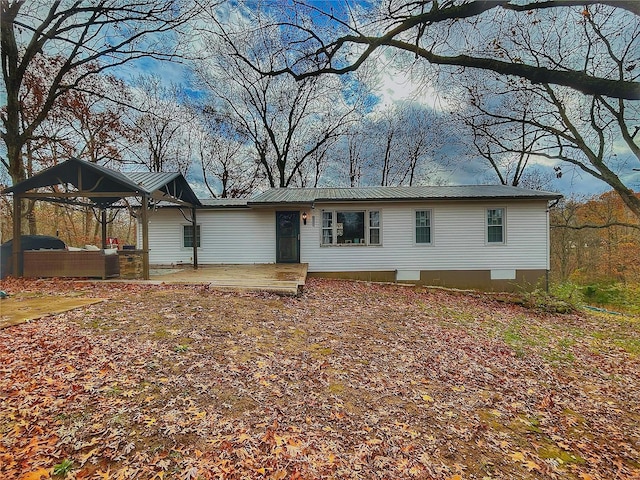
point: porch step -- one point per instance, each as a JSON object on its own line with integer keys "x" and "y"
{"x": 280, "y": 287}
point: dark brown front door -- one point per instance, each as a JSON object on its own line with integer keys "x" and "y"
{"x": 288, "y": 237}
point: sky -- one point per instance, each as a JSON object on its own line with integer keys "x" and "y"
{"x": 393, "y": 85}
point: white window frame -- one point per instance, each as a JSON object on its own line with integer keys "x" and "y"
{"x": 197, "y": 237}
{"x": 415, "y": 227}
{"x": 367, "y": 227}
{"x": 504, "y": 224}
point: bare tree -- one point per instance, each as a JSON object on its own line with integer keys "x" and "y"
{"x": 97, "y": 127}
{"x": 506, "y": 146}
{"x": 518, "y": 121}
{"x": 514, "y": 122}
{"x": 564, "y": 54}
{"x": 102, "y": 33}
{"x": 347, "y": 158}
{"x": 226, "y": 160}
{"x": 79, "y": 124}
{"x": 355, "y": 149}
{"x": 289, "y": 124}
{"x": 452, "y": 33}
{"x": 162, "y": 126}
{"x": 403, "y": 142}
{"x": 384, "y": 135}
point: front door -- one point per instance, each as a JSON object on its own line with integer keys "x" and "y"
{"x": 288, "y": 237}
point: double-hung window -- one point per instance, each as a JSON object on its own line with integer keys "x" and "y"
{"x": 327, "y": 228}
{"x": 351, "y": 227}
{"x": 495, "y": 225}
{"x": 423, "y": 227}
{"x": 374, "y": 227}
{"x": 187, "y": 236}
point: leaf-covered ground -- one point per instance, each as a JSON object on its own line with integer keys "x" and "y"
{"x": 349, "y": 381}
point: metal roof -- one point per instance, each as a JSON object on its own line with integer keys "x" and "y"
{"x": 91, "y": 178}
{"x": 225, "y": 202}
{"x": 172, "y": 184}
{"x": 365, "y": 194}
{"x": 150, "y": 181}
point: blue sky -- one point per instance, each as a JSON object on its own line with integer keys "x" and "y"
{"x": 392, "y": 85}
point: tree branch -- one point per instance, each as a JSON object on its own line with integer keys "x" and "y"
{"x": 578, "y": 80}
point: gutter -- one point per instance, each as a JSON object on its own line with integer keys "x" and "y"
{"x": 396, "y": 200}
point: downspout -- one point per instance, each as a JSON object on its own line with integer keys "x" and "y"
{"x": 194, "y": 224}
{"x": 548, "y": 252}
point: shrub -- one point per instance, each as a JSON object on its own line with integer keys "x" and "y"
{"x": 605, "y": 294}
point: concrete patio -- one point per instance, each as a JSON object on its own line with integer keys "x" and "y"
{"x": 282, "y": 278}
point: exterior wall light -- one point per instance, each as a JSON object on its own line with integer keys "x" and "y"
{"x": 304, "y": 218}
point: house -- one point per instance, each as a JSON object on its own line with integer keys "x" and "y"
{"x": 492, "y": 237}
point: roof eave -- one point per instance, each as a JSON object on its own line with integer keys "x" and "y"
{"x": 223, "y": 207}
{"x": 402, "y": 200}
{"x": 281, "y": 203}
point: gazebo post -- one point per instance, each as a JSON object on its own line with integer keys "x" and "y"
{"x": 195, "y": 238}
{"x": 104, "y": 227}
{"x": 17, "y": 233}
{"x": 145, "y": 237}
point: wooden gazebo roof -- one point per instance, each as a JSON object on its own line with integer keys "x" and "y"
{"x": 102, "y": 187}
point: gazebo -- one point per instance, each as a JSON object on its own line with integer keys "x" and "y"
{"x": 91, "y": 185}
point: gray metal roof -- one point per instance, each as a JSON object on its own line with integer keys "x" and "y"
{"x": 365, "y": 194}
{"x": 150, "y": 181}
{"x": 172, "y": 184}
{"x": 225, "y": 202}
{"x": 68, "y": 172}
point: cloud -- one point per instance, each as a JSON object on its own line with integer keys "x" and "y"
{"x": 394, "y": 78}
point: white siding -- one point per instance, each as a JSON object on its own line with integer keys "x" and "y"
{"x": 458, "y": 239}
{"x": 226, "y": 236}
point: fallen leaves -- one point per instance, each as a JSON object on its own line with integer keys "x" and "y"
{"x": 517, "y": 456}
{"x": 352, "y": 380}
{"x": 530, "y": 465}
{"x": 39, "y": 474}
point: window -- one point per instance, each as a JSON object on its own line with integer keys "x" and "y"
{"x": 495, "y": 225}
{"x": 374, "y": 227}
{"x": 187, "y": 236}
{"x": 351, "y": 227}
{"x": 327, "y": 228}
{"x": 423, "y": 226}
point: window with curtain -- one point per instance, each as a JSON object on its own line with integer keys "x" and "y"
{"x": 351, "y": 227}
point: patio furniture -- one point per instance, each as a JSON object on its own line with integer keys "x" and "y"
{"x": 62, "y": 263}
